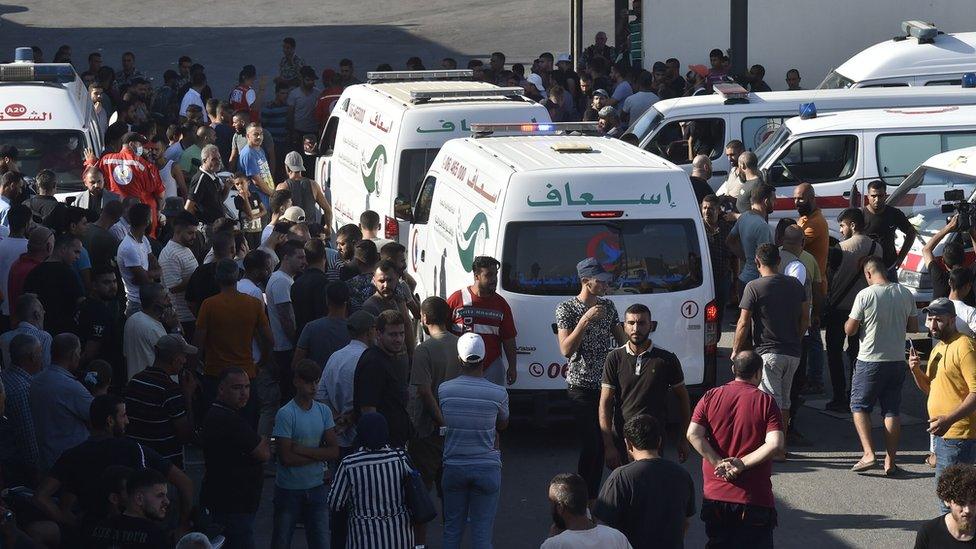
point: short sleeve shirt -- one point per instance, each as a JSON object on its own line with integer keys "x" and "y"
{"x": 233, "y": 478}
{"x": 640, "y": 382}
{"x": 955, "y": 379}
{"x": 434, "y": 362}
{"x": 177, "y": 263}
{"x": 254, "y": 163}
{"x": 278, "y": 292}
{"x": 305, "y": 428}
{"x": 490, "y": 317}
{"x": 152, "y": 402}
{"x": 471, "y": 407}
{"x": 883, "y": 311}
{"x": 736, "y": 417}
{"x": 586, "y": 365}
{"x": 882, "y": 227}
{"x": 226, "y": 318}
{"x": 381, "y": 382}
{"x": 774, "y": 302}
{"x": 752, "y": 230}
{"x": 132, "y": 254}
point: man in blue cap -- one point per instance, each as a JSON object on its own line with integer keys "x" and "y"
{"x": 587, "y": 325}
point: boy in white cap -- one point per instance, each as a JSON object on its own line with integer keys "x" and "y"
{"x": 474, "y": 409}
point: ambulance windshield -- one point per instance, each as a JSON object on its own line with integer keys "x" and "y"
{"x": 645, "y": 256}
{"x": 58, "y": 150}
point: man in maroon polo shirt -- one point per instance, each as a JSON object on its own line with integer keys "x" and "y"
{"x": 737, "y": 429}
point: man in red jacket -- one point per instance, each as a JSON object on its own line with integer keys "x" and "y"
{"x": 129, "y": 174}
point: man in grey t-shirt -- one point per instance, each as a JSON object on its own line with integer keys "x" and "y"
{"x": 751, "y": 230}
{"x": 775, "y": 312}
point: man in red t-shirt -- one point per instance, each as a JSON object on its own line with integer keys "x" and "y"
{"x": 129, "y": 174}
{"x": 480, "y": 310}
{"x": 738, "y": 429}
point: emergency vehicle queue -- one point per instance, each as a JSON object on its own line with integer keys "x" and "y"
{"x": 342, "y": 287}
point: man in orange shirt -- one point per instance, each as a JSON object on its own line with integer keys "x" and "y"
{"x": 129, "y": 174}
{"x": 816, "y": 241}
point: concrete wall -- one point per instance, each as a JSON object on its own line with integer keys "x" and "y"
{"x": 814, "y": 37}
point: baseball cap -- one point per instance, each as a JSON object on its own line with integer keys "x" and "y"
{"x": 591, "y": 268}
{"x": 471, "y": 348}
{"x": 308, "y": 72}
{"x": 174, "y": 343}
{"x": 602, "y": 92}
{"x": 700, "y": 70}
{"x": 940, "y": 307}
{"x": 8, "y": 151}
{"x": 536, "y": 81}
{"x": 563, "y": 58}
{"x": 293, "y": 161}
{"x": 294, "y": 214}
{"x": 360, "y": 321}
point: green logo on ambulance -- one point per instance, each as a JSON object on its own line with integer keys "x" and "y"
{"x": 372, "y": 169}
{"x": 466, "y": 248}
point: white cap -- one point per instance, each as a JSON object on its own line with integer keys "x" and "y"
{"x": 563, "y": 57}
{"x": 293, "y": 161}
{"x": 536, "y": 81}
{"x": 294, "y": 214}
{"x": 471, "y": 348}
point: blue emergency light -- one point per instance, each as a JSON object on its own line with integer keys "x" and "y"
{"x": 808, "y": 110}
{"x": 969, "y": 80}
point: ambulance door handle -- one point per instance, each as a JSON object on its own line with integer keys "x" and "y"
{"x": 847, "y": 194}
{"x": 423, "y": 254}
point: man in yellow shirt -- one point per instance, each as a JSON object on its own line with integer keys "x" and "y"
{"x": 951, "y": 388}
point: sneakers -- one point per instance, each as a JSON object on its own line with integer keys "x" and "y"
{"x": 813, "y": 389}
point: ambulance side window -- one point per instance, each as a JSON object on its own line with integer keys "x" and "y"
{"x": 425, "y": 198}
{"x": 706, "y": 136}
{"x": 327, "y": 143}
{"x": 757, "y": 129}
{"x": 815, "y": 160}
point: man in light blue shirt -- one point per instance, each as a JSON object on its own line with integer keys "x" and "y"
{"x": 59, "y": 402}
{"x": 336, "y": 386}
{"x": 751, "y": 230}
{"x": 305, "y": 437}
{"x": 254, "y": 164}
{"x": 474, "y": 409}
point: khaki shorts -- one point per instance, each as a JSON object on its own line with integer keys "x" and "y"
{"x": 777, "y": 377}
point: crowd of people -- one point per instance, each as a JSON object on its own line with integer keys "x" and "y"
{"x": 175, "y": 335}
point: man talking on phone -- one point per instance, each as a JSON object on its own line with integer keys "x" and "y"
{"x": 950, "y": 383}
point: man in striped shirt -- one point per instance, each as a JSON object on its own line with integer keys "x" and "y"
{"x": 473, "y": 409}
{"x": 159, "y": 410}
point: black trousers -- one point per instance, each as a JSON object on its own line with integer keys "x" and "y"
{"x": 283, "y": 362}
{"x": 738, "y": 526}
{"x": 586, "y": 410}
{"x": 840, "y": 377}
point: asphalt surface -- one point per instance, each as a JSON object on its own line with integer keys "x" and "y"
{"x": 820, "y": 503}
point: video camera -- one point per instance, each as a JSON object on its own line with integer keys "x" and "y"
{"x": 955, "y": 202}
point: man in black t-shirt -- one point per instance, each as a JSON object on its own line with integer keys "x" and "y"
{"x": 957, "y": 528}
{"x": 649, "y": 499}
{"x": 207, "y": 191}
{"x": 636, "y": 380}
{"x": 79, "y": 470}
{"x": 100, "y": 321}
{"x": 953, "y": 255}
{"x": 380, "y": 382}
{"x": 234, "y": 457}
{"x": 881, "y": 222}
{"x": 57, "y": 286}
{"x": 140, "y": 526}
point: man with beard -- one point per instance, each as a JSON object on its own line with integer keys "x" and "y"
{"x": 141, "y": 524}
{"x": 240, "y": 121}
{"x": 957, "y": 490}
{"x": 572, "y": 526}
{"x": 950, "y": 383}
{"x": 302, "y": 100}
{"x": 346, "y": 238}
{"x": 881, "y": 222}
{"x": 636, "y": 380}
{"x": 94, "y": 198}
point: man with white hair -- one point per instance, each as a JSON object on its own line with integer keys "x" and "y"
{"x": 609, "y": 122}
{"x": 207, "y": 191}
{"x": 701, "y": 172}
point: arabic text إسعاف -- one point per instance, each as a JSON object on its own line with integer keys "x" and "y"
{"x": 555, "y": 198}
{"x": 446, "y": 126}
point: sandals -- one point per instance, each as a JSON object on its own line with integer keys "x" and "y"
{"x": 862, "y": 466}
{"x": 894, "y": 471}
{"x": 930, "y": 461}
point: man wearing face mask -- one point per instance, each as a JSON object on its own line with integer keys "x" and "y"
{"x": 207, "y": 191}
{"x": 129, "y": 174}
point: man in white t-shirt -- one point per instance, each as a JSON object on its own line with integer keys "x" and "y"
{"x": 178, "y": 263}
{"x": 137, "y": 264}
{"x": 960, "y": 284}
{"x": 572, "y": 526}
{"x": 281, "y": 313}
{"x": 12, "y": 247}
{"x": 198, "y": 81}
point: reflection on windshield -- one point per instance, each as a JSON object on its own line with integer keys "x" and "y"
{"x": 646, "y": 124}
{"x": 772, "y": 143}
{"x": 835, "y": 81}
{"x": 57, "y": 150}
{"x": 929, "y": 181}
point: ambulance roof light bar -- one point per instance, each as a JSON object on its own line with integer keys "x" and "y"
{"x": 417, "y": 96}
{"x": 924, "y": 32}
{"x": 417, "y": 76}
{"x": 29, "y": 72}
{"x": 530, "y": 128}
{"x": 732, "y": 92}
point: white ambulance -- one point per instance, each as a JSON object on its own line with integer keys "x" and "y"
{"x": 752, "y": 117}
{"x": 842, "y": 152}
{"x": 540, "y": 204}
{"x": 922, "y": 56}
{"x": 47, "y": 113}
{"x": 383, "y": 135}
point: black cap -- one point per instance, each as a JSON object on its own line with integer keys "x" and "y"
{"x": 308, "y": 72}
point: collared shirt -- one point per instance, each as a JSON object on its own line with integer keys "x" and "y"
{"x": 18, "y": 440}
{"x": 718, "y": 250}
{"x": 60, "y": 408}
{"x": 29, "y": 329}
{"x": 336, "y": 385}
{"x": 640, "y": 382}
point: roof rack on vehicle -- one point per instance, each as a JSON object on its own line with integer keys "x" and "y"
{"x": 417, "y": 76}
{"x": 532, "y": 128}
{"x": 418, "y": 96}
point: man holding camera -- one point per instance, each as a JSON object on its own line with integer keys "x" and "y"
{"x": 881, "y": 222}
{"x": 953, "y": 255}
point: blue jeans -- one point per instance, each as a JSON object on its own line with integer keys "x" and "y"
{"x": 815, "y": 356}
{"x": 949, "y": 451}
{"x": 470, "y": 496}
{"x": 238, "y": 529}
{"x": 311, "y": 507}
